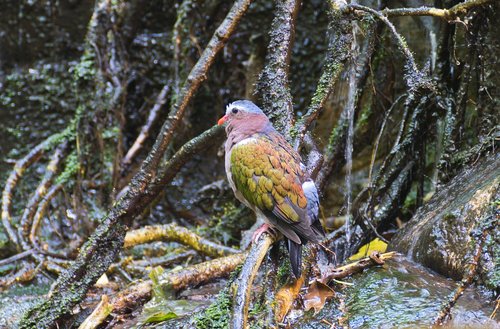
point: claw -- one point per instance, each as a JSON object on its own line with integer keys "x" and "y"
{"x": 265, "y": 228}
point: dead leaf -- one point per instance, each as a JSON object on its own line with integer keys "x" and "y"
{"x": 285, "y": 297}
{"x": 317, "y": 295}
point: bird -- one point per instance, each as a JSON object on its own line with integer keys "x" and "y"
{"x": 266, "y": 174}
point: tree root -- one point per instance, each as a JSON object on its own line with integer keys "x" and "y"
{"x": 176, "y": 233}
{"x": 38, "y": 195}
{"x": 138, "y": 294}
{"x": 20, "y": 166}
{"x": 100, "y": 250}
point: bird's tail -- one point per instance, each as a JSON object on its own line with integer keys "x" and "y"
{"x": 295, "y": 251}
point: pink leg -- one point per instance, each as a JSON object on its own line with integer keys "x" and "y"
{"x": 264, "y": 228}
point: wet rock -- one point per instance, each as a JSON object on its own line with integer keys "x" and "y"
{"x": 444, "y": 234}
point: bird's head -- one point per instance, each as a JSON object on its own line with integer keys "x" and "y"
{"x": 241, "y": 112}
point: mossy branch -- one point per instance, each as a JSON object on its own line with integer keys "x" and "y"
{"x": 340, "y": 39}
{"x": 273, "y": 82}
{"x": 176, "y": 233}
{"x": 137, "y": 294}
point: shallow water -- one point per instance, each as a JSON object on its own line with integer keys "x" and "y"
{"x": 403, "y": 294}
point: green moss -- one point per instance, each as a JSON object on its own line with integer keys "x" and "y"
{"x": 71, "y": 167}
{"x": 364, "y": 117}
{"x": 336, "y": 134}
{"x": 85, "y": 69}
{"x": 217, "y": 315}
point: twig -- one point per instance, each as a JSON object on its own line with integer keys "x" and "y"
{"x": 274, "y": 80}
{"x": 448, "y": 14}
{"x": 16, "y": 257}
{"x": 445, "y": 312}
{"x": 243, "y": 285}
{"x": 176, "y": 233}
{"x": 344, "y": 271}
{"x": 161, "y": 99}
{"x": 140, "y": 266}
{"x": 100, "y": 313}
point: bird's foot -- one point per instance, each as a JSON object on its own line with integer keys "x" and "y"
{"x": 265, "y": 228}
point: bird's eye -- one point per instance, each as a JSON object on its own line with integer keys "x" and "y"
{"x": 235, "y": 111}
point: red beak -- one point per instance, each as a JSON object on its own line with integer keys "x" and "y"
{"x": 222, "y": 120}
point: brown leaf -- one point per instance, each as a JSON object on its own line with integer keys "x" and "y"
{"x": 285, "y": 297}
{"x": 317, "y": 295}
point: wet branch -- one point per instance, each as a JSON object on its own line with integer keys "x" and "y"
{"x": 102, "y": 247}
{"x": 138, "y": 294}
{"x": 340, "y": 39}
{"x": 273, "y": 83}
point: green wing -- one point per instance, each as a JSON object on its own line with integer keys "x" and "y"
{"x": 267, "y": 173}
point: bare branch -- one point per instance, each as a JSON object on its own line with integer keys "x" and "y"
{"x": 447, "y": 14}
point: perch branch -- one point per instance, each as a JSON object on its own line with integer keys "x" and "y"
{"x": 243, "y": 285}
{"x": 176, "y": 233}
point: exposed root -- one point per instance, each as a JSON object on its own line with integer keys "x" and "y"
{"x": 176, "y": 233}
{"x": 37, "y": 197}
{"x": 138, "y": 294}
{"x": 20, "y": 166}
